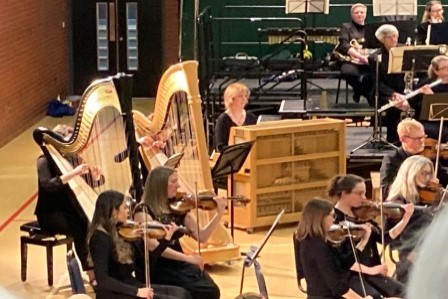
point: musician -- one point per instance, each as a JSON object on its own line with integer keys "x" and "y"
{"x": 55, "y": 209}
{"x": 433, "y": 14}
{"x": 324, "y": 271}
{"x": 390, "y": 86}
{"x": 349, "y": 191}
{"x": 415, "y": 173}
{"x": 236, "y": 97}
{"x": 174, "y": 267}
{"x": 438, "y": 69}
{"x": 412, "y": 137}
{"x": 351, "y": 34}
{"x": 113, "y": 256}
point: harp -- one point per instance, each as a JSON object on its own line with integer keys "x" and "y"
{"x": 99, "y": 138}
{"x": 178, "y": 116}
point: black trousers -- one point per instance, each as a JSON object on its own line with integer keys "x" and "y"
{"x": 358, "y": 77}
{"x": 377, "y": 286}
{"x": 72, "y": 225}
{"x": 160, "y": 292}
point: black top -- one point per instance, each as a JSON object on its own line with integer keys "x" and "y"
{"x": 223, "y": 125}
{"x": 409, "y": 237}
{"x": 113, "y": 277}
{"x": 392, "y": 162}
{"x": 53, "y": 195}
{"x": 323, "y": 269}
{"x": 348, "y": 32}
{"x": 387, "y": 83}
{"x": 369, "y": 256}
{"x": 422, "y": 30}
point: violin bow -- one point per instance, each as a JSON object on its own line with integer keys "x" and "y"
{"x": 439, "y": 141}
{"x": 196, "y": 199}
{"x": 443, "y": 197}
{"x": 383, "y": 244}
{"x": 145, "y": 242}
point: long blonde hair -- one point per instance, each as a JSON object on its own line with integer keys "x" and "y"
{"x": 155, "y": 194}
{"x": 427, "y": 14}
{"x": 405, "y": 185}
{"x": 311, "y": 223}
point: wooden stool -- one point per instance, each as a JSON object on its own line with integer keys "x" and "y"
{"x": 38, "y": 237}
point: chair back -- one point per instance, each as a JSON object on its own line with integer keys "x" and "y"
{"x": 299, "y": 269}
{"x": 74, "y": 272}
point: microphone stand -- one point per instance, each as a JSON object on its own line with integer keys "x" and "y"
{"x": 376, "y": 140}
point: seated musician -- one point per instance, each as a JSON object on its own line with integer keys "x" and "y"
{"x": 412, "y": 137}
{"x": 351, "y": 37}
{"x": 349, "y": 192}
{"x": 113, "y": 256}
{"x": 414, "y": 174}
{"x": 438, "y": 69}
{"x": 390, "y": 86}
{"x": 433, "y": 14}
{"x": 236, "y": 97}
{"x": 55, "y": 208}
{"x": 174, "y": 267}
{"x": 323, "y": 269}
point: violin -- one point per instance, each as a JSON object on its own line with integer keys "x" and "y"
{"x": 205, "y": 202}
{"x": 430, "y": 149}
{"x": 370, "y": 211}
{"x": 131, "y": 230}
{"x": 346, "y": 229}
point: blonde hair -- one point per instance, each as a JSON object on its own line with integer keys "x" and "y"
{"x": 435, "y": 65}
{"x": 407, "y": 125}
{"x": 356, "y": 5}
{"x": 426, "y": 15}
{"x": 312, "y": 222}
{"x": 385, "y": 29}
{"x": 235, "y": 90}
{"x": 404, "y": 184}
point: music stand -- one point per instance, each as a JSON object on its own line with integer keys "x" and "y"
{"x": 439, "y": 34}
{"x": 251, "y": 259}
{"x": 405, "y": 29}
{"x": 394, "y": 8}
{"x": 230, "y": 161}
{"x": 434, "y": 107}
{"x": 307, "y": 6}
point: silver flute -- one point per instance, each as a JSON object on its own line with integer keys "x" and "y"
{"x": 408, "y": 96}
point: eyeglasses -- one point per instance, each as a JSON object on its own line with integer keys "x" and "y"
{"x": 427, "y": 174}
{"x": 437, "y": 10}
{"x": 417, "y": 138}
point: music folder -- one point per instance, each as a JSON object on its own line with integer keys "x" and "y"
{"x": 439, "y": 34}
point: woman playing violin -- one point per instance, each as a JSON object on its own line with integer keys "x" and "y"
{"x": 323, "y": 269}
{"x": 349, "y": 192}
{"x": 174, "y": 267}
{"x": 113, "y": 256}
{"x": 416, "y": 172}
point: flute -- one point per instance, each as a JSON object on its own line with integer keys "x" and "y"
{"x": 408, "y": 96}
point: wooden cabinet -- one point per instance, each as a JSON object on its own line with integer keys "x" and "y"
{"x": 290, "y": 162}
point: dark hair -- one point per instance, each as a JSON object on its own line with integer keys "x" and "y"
{"x": 103, "y": 219}
{"x": 343, "y": 183}
{"x": 155, "y": 194}
{"x": 313, "y": 214}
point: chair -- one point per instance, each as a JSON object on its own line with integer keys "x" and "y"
{"x": 299, "y": 270}
{"x": 36, "y": 236}
{"x": 339, "y": 89}
{"x": 75, "y": 274}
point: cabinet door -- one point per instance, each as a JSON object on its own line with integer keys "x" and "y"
{"x": 117, "y": 36}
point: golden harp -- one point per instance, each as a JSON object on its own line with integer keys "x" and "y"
{"x": 99, "y": 139}
{"x": 178, "y": 115}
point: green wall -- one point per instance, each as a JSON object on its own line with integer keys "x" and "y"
{"x": 233, "y": 36}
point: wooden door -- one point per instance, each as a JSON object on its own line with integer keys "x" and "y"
{"x": 117, "y": 36}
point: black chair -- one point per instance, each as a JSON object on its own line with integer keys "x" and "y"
{"x": 74, "y": 272}
{"x": 299, "y": 270}
{"x": 36, "y": 236}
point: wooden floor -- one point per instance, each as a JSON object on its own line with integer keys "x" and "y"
{"x": 18, "y": 185}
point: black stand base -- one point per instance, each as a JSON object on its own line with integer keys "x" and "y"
{"x": 376, "y": 143}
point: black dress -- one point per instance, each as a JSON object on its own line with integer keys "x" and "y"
{"x": 376, "y": 286}
{"x": 223, "y": 125}
{"x": 170, "y": 272}
{"x": 56, "y": 209}
{"x": 324, "y": 272}
{"x": 115, "y": 280}
{"x": 407, "y": 241}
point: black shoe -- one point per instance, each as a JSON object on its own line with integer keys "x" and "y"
{"x": 356, "y": 98}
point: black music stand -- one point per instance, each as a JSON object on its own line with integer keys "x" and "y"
{"x": 434, "y": 107}
{"x": 251, "y": 259}
{"x": 230, "y": 161}
{"x": 405, "y": 29}
{"x": 439, "y": 34}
